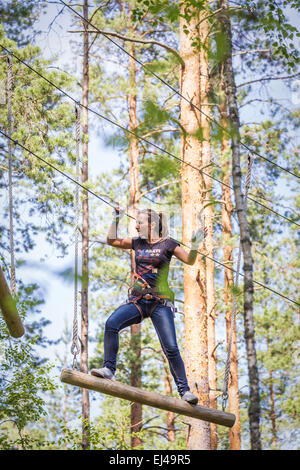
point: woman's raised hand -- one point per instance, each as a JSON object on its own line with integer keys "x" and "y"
{"x": 118, "y": 212}
{"x": 198, "y": 237}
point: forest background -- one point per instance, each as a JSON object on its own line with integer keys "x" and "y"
{"x": 36, "y": 411}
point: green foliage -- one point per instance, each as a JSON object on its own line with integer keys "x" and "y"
{"x": 22, "y": 383}
{"x": 105, "y": 433}
{"x": 42, "y": 123}
{"x": 154, "y": 114}
{"x": 34, "y": 414}
{"x": 19, "y": 17}
{"x": 24, "y": 375}
{"x": 272, "y": 20}
{"x": 162, "y": 10}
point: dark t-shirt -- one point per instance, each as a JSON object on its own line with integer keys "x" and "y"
{"x": 152, "y": 262}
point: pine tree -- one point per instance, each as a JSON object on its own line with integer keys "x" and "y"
{"x": 194, "y": 145}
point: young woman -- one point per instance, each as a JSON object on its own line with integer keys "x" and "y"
{"x": 150, "y": 295}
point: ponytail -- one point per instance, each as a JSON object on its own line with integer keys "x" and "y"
{"x": 160, "y": 224}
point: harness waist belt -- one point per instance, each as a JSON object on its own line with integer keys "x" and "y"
{"x": 156, "y": 296}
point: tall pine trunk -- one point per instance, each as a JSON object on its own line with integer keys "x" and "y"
{"x": 134, "y": 192}
{"x": 195, "y": 351}
{"x": 272, "y": 413}
{"x": 210, "y": 293}
{"x": 208, "y": 223}
{"x": 249, "y": 329}
{"x": 233, "y": 386}
{"x": 170, "y": 415}
{"x": 85, "y": 236}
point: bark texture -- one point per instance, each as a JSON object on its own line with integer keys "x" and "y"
{"x": 85, "y": 237}
{"x": 134, "y": 192}
{"x": 233, "y": 386}
{"x": 121, "y": 390}
{"x": 249, "y": 330}
{"x": 208, "y": 223}
{"x": 9, "y": 310}
{"x": 170, "y": 415}
{"x": 195, "y": 307}
{"x": 272, "y": 413}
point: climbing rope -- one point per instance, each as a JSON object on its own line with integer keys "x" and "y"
{"x": 234, "y": 304}
{"x": 75, "y": 344}
{"x": 10, "y": 190}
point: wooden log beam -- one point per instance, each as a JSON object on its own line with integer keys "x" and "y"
{"x": 136, "y": 395}
{"x": 9, "y": 309}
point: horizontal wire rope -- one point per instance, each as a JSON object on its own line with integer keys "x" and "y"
{"x": 142, "y": 138}
{"x": 175, "y": 90}
{"x": 16, "y": 142}
{"x": 106, "y": 202}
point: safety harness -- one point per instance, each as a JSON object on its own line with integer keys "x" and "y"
{"x": 140, "y": 289}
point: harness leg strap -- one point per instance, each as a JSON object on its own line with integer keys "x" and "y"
{"x": 154, "y": 307}
{"x": 135, "y": 302}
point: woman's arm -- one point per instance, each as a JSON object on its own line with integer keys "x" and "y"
{"x": 112, "y": 237}
{"x": 197, "y": 238}
{"x": 187, "y": 258}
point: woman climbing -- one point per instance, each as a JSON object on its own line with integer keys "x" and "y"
{"x": 150, "y": 295}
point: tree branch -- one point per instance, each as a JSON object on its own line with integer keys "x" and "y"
{"x": 125, "y": 38}
{"x": 250, "y": 51}
{"x": 268, "y": 78}
{"x": 157, "y": 131}
{"x": 157, "y": 187}
{"x": 216, "y": 12}
{"x": 218, "y": 344}
{"x": 97, "y": 9}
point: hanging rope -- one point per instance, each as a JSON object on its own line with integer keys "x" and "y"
{"x": 75, "y": 344}
{"x": 233, "y": 313}
{"x": 10, "y": 191}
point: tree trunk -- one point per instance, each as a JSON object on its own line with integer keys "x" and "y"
{"x": 233, "y": 386}
{"x": 170, "y": 415}
{"x": 211, "y": 340}
{"x": 254, "y": 405}
{"x": 208, "y": 223}
{"x": 135, "y": 341}
{"x": 85, "y": 236}
{"x": 195, "y": 308}
{"x": 153, "y": 399}
{"x": 272, "y": 403}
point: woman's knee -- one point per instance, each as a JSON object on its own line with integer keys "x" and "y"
{"x": 111, "y": 325}
{"x": 122, "y": 317}
{"x": 171, "y": 351}
{"x": 113, "y": 322}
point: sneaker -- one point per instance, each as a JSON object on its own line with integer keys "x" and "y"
{"x": 190, "y": 398}
{"x": 104, "y": 373}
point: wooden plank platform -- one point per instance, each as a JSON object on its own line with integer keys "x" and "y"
{"x": 9, "y": 309}
{"x": 127, "y": 392}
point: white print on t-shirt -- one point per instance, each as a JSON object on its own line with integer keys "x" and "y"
{"x": 150, "y": 251}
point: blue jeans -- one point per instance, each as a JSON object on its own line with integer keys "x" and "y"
{"x": 163, "y": 320}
